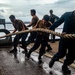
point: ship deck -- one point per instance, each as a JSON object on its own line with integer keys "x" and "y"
{"x": 16, "y": 64}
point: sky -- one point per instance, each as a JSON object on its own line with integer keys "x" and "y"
{"x": 21, "y": 8}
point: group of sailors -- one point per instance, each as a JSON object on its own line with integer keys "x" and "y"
{"x": 66, "y": 46}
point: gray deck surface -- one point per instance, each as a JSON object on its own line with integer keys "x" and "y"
{"x": 11, "y": 64}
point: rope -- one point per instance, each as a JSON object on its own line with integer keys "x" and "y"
{"x": 42, "y": 30}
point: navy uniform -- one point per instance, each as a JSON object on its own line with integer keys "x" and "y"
{"x": 65, "y": 44}
{"x": 52, "y": 19}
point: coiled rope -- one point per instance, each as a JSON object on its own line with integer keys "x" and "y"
{"x": 42, "y": 30}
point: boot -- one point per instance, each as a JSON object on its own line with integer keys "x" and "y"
{"x": 23, "y": 52}
{"x": 49, "y": 49}
{"x": 40, "y": 63}
{"x": 13, "y": 51}
{"x": 28, "y": 56}
{"x": 51, "y": 63}
{"x": 66, "y": 70}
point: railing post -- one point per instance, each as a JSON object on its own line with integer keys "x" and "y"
{"x": 2, "y": 21}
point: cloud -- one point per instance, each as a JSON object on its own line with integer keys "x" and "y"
{"x": 4, "y": 1}
{"x": 21, "y": 8}
{"x": 59, "y": 7}
{"x": 62, "y": 1}
{"x": 65, "y": 5}
{"x": 4, "y": 5}
{"x": 41, "y": 1}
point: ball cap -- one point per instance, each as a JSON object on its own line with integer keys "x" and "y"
{"x": 46, "y": 18}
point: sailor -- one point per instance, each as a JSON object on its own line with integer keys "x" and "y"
{"x": 52, "y": 19}
{"x": 33, "y": 22}
{"x": 66, "y": 46}
{"x": 18, "y": 26}
{"x": 41, "y": 38}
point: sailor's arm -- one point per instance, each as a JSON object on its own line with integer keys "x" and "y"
{"x": 30, "y": 24}
{"x": 14, "y": 31}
